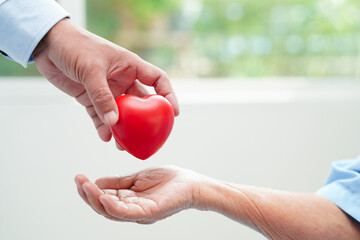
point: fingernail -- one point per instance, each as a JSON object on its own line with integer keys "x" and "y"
{"x": 103, "y": 201}
{"x": 110, "y": 118}
{"x": 85, "y": 190}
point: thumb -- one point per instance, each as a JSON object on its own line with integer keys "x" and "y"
{"x": 101, "y": 97}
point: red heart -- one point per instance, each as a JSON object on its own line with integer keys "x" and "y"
{"x": 144, "y": 124}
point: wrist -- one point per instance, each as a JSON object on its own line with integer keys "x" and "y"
{"x": 44, "y": 43}
{"x": 208, "y": 194}
{"x": 234, "y": 201}
{"x": 61, "y": 33}
{"x": 39, "y": 48}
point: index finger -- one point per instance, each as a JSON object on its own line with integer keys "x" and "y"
{"x": 151, "y": 75}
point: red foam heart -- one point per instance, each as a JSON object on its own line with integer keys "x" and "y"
{"x": 144, "y": 124}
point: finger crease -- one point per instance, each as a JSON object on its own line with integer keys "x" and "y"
{"x": 99, "y": 126}
{"x": 80, "y": 95}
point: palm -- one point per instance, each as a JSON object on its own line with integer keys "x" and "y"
{"x": 144, "y": 197}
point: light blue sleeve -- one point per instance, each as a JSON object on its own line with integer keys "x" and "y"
{"x": 23, "y": 23}
{"x": 343, "y": 186}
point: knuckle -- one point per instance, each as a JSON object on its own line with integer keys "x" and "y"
{"x": 101, "y": 95}
{"x": 163, "y": 75}
{"x": 125, "y": 55}
{"x": 91, "y": 111}
{"x": 132, "y": 55}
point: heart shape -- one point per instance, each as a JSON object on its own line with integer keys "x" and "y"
{"x": 144, "y": 124}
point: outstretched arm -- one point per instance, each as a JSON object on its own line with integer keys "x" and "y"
{"x": 155, "y": 194}
{"x": 279, "y": 214}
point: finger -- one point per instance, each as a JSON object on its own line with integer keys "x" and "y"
{"x": 83, "y": 99}
{"x": 137, "y": 89}
{"x": 150, "y": 75}
{"x": 119, "y": 209}
{"x": 103, "y": 130}
{"x": 110, "y": 192}
{"x": 93, "y": 194}
{"x": 119, "y": 146}
{"x": 80, "y": 180}
{"x": 146, "y": 222}
{"x": 104, "y": 133}
{"x": 101, "y": 97}
{"x": 116, "y": 182}
{"x": 116, "y": 219}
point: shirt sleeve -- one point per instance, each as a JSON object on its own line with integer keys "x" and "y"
{"x": 23, "y": 23}
{"x": 343, "y": 186}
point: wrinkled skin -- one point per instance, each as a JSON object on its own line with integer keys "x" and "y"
{"x": 144, "y": 197}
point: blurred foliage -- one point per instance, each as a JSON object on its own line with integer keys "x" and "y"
{"x": 234, "y": 38}
{"x": 10, "y": 68}
{"x": 231, "y": 38}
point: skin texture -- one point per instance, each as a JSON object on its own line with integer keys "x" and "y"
{"x": 95, "y": 71}
{"x": 154, "y": 194}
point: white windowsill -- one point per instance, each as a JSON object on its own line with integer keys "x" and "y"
{"x": 211, "y": 91}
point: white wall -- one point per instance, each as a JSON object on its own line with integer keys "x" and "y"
{"x": 267, "y": 134}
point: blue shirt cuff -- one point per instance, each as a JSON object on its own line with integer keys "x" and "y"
{"x": 24, "y": 23}
{"x": 343, "y": 187}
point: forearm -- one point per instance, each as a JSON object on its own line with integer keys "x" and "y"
{"x": 278, "y": 214}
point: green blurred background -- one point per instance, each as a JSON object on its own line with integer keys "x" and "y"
{"x": 230, "y": 38}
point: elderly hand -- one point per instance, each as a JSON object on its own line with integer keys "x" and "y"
{"x": 95, "y": 71}
{"x": 154, "y": 194}
{"x": 144, "y": 197}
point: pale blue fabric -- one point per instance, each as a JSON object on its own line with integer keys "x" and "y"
{"x": 23, "y": 23}
{"x": 343, "y": 186}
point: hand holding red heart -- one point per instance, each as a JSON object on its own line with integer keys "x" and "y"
{"x": 94, "y": 71}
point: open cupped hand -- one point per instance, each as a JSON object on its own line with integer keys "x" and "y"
{"x": 144, "y": 197}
